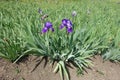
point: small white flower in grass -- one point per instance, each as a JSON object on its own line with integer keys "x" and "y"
{"x": 74, "y": 13}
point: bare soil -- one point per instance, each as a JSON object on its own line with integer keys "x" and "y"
{"x": 34, "y": 68}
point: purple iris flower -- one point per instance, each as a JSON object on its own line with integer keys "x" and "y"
{"x": 68, "y": 24}
{"x": 47, "y": 26}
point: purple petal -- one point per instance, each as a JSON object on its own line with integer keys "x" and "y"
{"x": 52, "y": 29}
{"x": 69, "y": 29}
{"x": 64, "y": 22}
{"x": 48, "y": 25}
{"x": 69, "y": 23}
{"x": 62, "y": 26}
{"x": 44, "y": 30}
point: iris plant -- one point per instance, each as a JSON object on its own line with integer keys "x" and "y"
{"x": 68, "y": 24}
{"x": 47, "y": 26}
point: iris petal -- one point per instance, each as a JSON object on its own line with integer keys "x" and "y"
{"x": 52, "y": 29}
{"x": 62, "y": 26}
{"x": 69, "y": 25}
{"x": 48, "y": 25}
{"x": 69, "y": 29}
{"x": 44, "y": 30}
{"x": 64, "y": 22}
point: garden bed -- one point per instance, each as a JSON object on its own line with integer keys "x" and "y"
{"x": 64, "y": 32}
{"x": 27, "y": 70}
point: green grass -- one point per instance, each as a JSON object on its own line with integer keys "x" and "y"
{"x": 96, "y": 31}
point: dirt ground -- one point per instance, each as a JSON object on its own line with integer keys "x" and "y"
{"x": 27, "y": 70}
